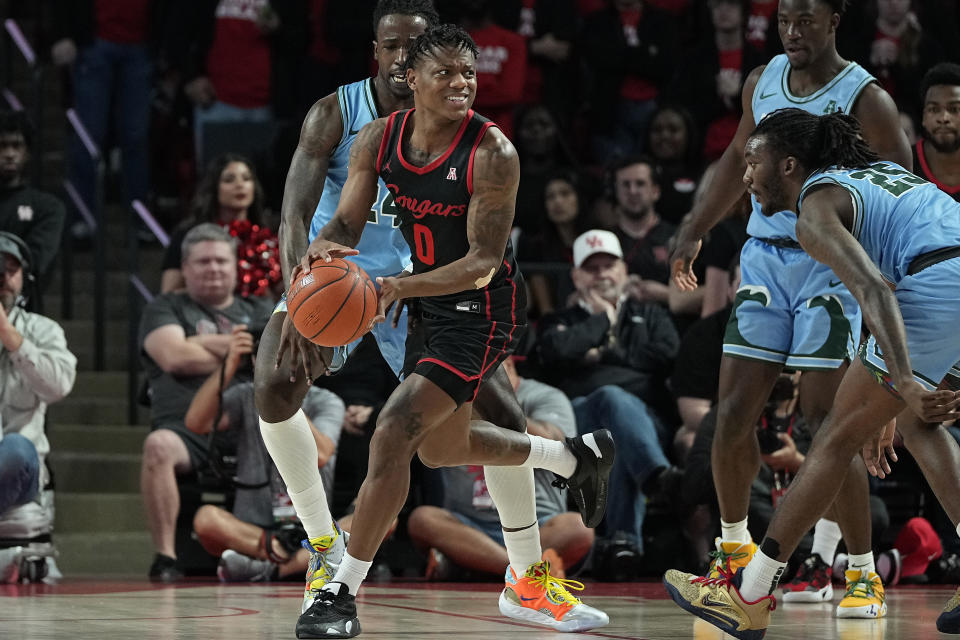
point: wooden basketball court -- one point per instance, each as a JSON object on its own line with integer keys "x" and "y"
{"x": 97, "y": 610}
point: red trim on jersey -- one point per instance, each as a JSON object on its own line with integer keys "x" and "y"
{"x": 486, "y": 353}
{"x": 385, "y": 140}
{"x": 922, "y": 157}
{"x": 450, "y": 368}
{"x": 473, "y": 151}
{"x": 446, "y": 154}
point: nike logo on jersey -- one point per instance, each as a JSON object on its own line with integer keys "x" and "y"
{"x": 764, "y": 96}
{"x": 835, "y": 283}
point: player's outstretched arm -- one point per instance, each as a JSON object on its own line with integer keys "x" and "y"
{"x": 723, "y": 191}
{"x": 880, "y": 123}
{"x": 338, "y": 237}
{"x": 823, "y": 235}
{"x": 320, "y": 134}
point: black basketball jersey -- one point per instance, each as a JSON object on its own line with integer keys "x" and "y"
{"x": 431, "y": 203}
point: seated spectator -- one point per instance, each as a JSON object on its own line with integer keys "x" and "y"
{"x": 634, "y": 188}
{"x": 184, "y": 337}
{"x": 36, "y": 368}
{"x": 673, "y": 144}
{"x": 33, "y": 215}
{"x": 230, "y": 195}
{"x": 610, "y": 352}
{"x": 630, "y": 48}
{"x": 501, "y": 64}
{"x": 260, "y": 539}
{"x": 543, "y": 152}
{"x": 554, "y": 244}
{"x": 466, "y": 531}
{"x": 936, "y": 156}
{"x": 696, "y": 370}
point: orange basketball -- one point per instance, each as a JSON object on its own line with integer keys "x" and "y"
{"x": 333, "y": 304}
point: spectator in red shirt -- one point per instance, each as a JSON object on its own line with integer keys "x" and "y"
{"x": 936, "y": 156}
{"x": 893, "y": 46}
{"x": 550, "y": 29}
{"x": 501, "y": 65}
{"x": 242, "y": 57}
{"x": 711, "y": 77}
{"x": 762, "y": 27}
{"x": 630, "y": 48}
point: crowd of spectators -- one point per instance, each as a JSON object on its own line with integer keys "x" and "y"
{"x": 617, "y": 108}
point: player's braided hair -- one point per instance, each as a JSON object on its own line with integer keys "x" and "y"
{"x": 816, "y": 141}
{"x": 438, "y": 37}
{"x": 422, "y": 8}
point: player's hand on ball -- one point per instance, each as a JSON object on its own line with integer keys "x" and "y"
{"x": 301, "y": 351}
{"x": 389, "y": 294}
{"x": 324, "y": 250}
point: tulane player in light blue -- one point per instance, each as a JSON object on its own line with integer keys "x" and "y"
{"x": 317, "y": 173}
{"x": 894, "y": 241}
{"x": 790, "y": 311}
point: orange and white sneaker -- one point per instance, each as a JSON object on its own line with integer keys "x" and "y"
{"x": 738, "y": 554}
{"x": 541, "y": 598}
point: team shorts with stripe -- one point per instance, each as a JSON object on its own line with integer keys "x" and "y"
{"x": 460, "y": 351}
{"x": 930, "y": 308}
{"x": 791, "y": 310}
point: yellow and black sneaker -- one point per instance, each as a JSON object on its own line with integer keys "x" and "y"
{"x": 718, "y": 601}
{"x": 326, "y": 552}
{"x": 864, "y": 597}
{"x": 738, "y": 554}
{"x": 949, "y": 619}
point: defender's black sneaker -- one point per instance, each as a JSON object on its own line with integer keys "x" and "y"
{"x": 588, "y": 484}
{"x": 333, "y": 614}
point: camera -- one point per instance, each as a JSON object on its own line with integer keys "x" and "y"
{"x": 767, "y": 437}
{"x": 771, "y": 424}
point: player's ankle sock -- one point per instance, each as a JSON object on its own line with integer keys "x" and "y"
{"x": 760, "y": 577}
{"x": 294, "y": 451}
{"x": 734, "y": 531}
{"x": 862, "y": 562}
{"x": 826, "y": 537}
{"x": 514, "y": 494}
{"x": 351, "y": 573}
{"x": 551, "y": 455}
{"x": 523, "y": 548}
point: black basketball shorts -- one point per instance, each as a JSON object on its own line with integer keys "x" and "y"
{"x": 460, "y": 351}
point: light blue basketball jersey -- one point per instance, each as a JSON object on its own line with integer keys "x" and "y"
{"x": 896, "y": 215}
{"x": 383, "y": 251}
{"x": 773, "y": 92}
